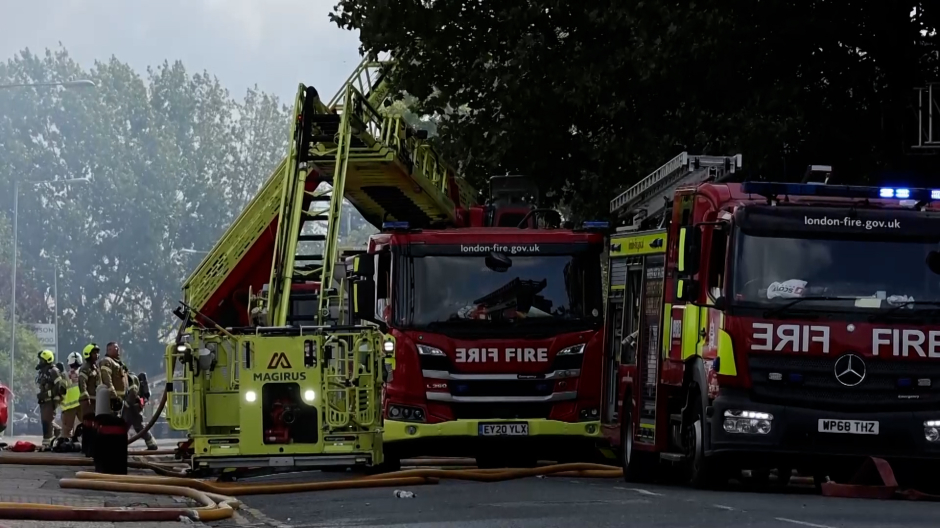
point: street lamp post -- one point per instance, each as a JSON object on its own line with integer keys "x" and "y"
{"x": 16, "y": 215}
{"x": 81, "y": 83}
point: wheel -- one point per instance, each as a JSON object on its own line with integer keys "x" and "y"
{"x": 703, "y": 472}
{"x": 638, "y": 466}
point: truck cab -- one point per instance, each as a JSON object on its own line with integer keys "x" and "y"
{"x": 498, "y": 334}
{"x": 796, "y": 334}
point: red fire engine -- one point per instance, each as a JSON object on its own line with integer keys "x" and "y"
{"x": 765, "y": 326}
{"x": 498, "y": 325}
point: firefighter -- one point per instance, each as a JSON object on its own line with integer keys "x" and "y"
{"x": 114, "y": 377}
{"x": 88, "y": 380}
{"x": 71, "y": 405}
{"x": 134, "y": 407}
{"x": 52, "y": 388}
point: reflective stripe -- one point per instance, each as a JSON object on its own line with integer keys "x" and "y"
{"x": 71, "y": 398}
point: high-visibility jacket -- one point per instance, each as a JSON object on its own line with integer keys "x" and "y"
{"x": 72, "y": 395}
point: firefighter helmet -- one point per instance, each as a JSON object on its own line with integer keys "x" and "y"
{"x": 75, "y": 359}
{"x": 89, "y": 348}
{"x": 47, "y": 357}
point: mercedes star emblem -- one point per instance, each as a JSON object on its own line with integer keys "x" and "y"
{"x": 850, "y": 370}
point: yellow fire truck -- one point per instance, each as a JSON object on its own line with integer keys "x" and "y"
{"x": 276, "y": 363}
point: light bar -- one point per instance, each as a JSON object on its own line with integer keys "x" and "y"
{"x": 840, "y": 191}
{"x": 393, "y": 226}
{"x": 595, "y": 225}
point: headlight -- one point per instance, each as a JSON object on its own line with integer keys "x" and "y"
{"x": 309, "y": 395}
{"x": 388, "y": 345}
{"x": 425, "y": 350}
{"x": 181, "y": 348}
{"x": 251, "y": 396}
{"x": 932, "y": 431}
{"x": 572, "y": 350}
{"x": 747, "y": 422}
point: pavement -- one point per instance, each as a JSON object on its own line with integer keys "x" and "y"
{"x": 39, "y": 484}
{"x": 564, "y": 502}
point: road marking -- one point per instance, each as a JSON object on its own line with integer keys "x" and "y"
{"x": 640, "y": 491}
{"x": 802, "y": 523}
{"x": 723, "y": 507}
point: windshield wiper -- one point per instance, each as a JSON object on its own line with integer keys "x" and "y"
{"x": 783, "y": 308}
{"x": 887, "y": 313}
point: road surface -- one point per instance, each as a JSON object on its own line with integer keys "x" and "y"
{"x": 565, "y": 502}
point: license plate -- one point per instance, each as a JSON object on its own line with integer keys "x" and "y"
{"x": 504, "y": 429}
{"x": 848, "y": 426}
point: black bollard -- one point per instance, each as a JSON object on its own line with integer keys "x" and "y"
{"x": 89, "y": 431}
{"x": 110, "y": 445}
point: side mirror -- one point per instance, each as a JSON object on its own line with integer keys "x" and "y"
{"x": 933, "y": 261}
{"x": 721, "y": 303}
{"x": 686, "y": 290}
{"x": 361, "y": 265}
{"x": 363, "y": 299}
{"x": 689, "y": 249}
{"x": 498, "y": 262}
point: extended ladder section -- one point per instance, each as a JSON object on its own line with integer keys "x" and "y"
{"x": 384, "y": 167}
{"x": 650, "y": 195}
{"x": 364, "y": 153}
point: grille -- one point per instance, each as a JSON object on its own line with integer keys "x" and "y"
{"x": 471, "y": 411}
{"x": 819, "y": 388}
{"x": 501, "y": 387}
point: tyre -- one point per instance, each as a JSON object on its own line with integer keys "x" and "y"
{"x": 638, "y": 466}
{"x": 703, "y": 472}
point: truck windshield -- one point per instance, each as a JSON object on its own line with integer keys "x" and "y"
{"x": 549, "y": 289}
{"x": 835, "y": 273}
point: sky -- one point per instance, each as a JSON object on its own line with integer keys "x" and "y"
{"x": 275, "y": 44}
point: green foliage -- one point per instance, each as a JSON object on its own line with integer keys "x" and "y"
{"x": 587, "y": 97}
{"x": 172, "y": 160}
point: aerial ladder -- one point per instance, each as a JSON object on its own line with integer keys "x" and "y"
{"x": 307, "y": 383}
{"x": 650, "y": 197}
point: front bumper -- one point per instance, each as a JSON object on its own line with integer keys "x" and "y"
{"x": 546, "y": 439}
{"x": 794, "y": 433}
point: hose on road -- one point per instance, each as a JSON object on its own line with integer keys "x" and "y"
{"x": 216, "y": 500}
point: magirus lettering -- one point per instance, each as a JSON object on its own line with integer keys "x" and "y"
{"x": 265, "y": 377}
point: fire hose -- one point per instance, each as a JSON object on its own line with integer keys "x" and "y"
{"x": 216, "y": 500}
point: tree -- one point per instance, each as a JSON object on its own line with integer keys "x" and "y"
{"x": 172, "y": 160}
{"x": 590, "y": 96}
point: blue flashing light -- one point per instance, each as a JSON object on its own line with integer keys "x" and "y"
{"x": 904, "y": 382}
{"x": 596, "y": 225}
{"x": 901, "y": 194}
{"x": 795, "y": 378}
{"x": 838, "y": 191}
{"x": 393, "y": 226}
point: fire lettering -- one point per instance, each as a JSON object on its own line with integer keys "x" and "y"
{"x": 794, "y": 338}
{"x": 906, "y": 342}
{"x": 509, "y": 355}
